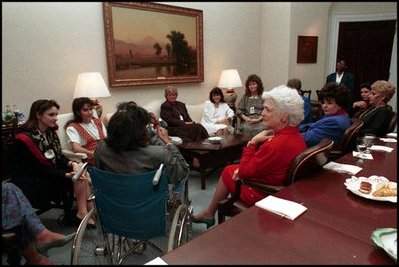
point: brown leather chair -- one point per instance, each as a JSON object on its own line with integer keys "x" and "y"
{"x": 392, "y": 123}
{"x": 347, "y": 142}
{"x": 8, "y": 131}
{"x": 317, "y": 110}
{"x": 310, "y": 160}
{"x": 318, "y": 92}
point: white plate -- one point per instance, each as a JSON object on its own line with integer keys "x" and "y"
{"x": 215, "y": 139}
{"x": 353, "y": 184}
{"x": 386, "y": 238}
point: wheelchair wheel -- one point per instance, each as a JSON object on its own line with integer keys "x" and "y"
{"x": 181, "y": 227}
{"x": 88, "y": 247}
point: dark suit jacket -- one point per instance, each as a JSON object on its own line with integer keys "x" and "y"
{"x": 348, "y": 79}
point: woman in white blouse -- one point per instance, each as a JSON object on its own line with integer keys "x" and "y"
{"x": 85, "y": 131}
{"x": 217, "y": 115}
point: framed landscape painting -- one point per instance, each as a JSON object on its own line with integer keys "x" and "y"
{"x": 148, "y": 43}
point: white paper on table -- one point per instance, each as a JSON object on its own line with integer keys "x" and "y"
{"x": 364, "y": 156}
{"x": 381, "y": 148}
{"x": 346, "y": 168}
{"x": 282, "y": 207}
{"x": 389, "y": 140}
{"x": 156, "y": 261}
{"x": 394, "y": 135}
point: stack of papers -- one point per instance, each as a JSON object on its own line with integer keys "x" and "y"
{"x": 389, "y": 140}
{"x": 282, "y": 207}
{"x": 346, "y": 168}
{"x": 156, "y": 261}
{"x": 363, "y": 156}
{"x": 393, "y": 135}
{"x": 381, "y": 148}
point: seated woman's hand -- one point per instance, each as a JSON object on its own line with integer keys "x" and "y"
{"x": 223, "y": 121}
{"x": 262, "y": 136}
{"x": 361, "y": 104}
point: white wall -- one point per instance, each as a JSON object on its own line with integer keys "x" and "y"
{"x": 46, "y": 45}
{"x": 309, "y": 19}
{"x": 275, "y": 44}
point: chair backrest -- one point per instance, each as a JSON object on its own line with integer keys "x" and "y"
{"x": 306, "y": 93}
{"x": 129, "y": 204}
{"x": 62, "y": 120}
{"x": 317, "y": 110}
{"x": 392, "y": 123}
{"x": 318, "y": 95}
{"x": 348, "y": 139}
{"x": 309, "y": 160}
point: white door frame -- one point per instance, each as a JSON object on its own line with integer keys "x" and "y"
{"x": 338, "y": 17}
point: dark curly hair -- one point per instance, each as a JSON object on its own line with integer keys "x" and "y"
{"x": 77, "y": 105}
{"x": 127, "y": 128}
{"x": 338, "y": 92}
{"x": 254, "y": 78}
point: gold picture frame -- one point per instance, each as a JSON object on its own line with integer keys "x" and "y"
{"x": 148, "y": 43}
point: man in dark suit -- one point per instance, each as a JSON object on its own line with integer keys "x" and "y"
{"x": 344, "y": 77}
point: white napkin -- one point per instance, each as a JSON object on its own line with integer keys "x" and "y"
{"x": 364, "y": 156}
{"x": 381, "y": 148}
{"x": 338, "y": 167}
{"x": 282, "y": 207}
{"x": 394, "y": 135}
{"x": 389, "y": 140}
{"x": 156, "y": 261}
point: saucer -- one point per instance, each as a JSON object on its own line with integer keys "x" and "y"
{"x": 215, "y": 139}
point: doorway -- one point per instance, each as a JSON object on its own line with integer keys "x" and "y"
{"x": 367, "y": 48}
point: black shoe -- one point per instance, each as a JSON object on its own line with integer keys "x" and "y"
{"x": 208, "y": 222}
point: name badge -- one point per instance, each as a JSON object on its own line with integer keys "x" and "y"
{"x": 252, "y": 110}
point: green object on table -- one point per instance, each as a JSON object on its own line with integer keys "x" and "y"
{"x": 386, "y": 238}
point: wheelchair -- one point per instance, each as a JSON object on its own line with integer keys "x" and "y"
{"x": 131, "y": 210}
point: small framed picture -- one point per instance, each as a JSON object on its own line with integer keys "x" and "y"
{"x": 307, "y": 49}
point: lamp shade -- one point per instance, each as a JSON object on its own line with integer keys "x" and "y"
{"x": 229, "y": 79}
{"x": 90, "y": 84}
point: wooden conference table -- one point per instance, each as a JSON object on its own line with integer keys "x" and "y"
{"x": 212, "y": 155}
{"x": 335, "y": 229}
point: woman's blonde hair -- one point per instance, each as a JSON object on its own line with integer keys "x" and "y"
{"x": 170, "y": 89}
{"x": 384, "y": 88}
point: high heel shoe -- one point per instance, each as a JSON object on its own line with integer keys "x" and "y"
{"x": 44, "y": 247}
{"x": 208, "y": 222}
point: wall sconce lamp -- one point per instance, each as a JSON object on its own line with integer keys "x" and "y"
{"x": 230, "y": 79}
{"x": 92, "y": 85}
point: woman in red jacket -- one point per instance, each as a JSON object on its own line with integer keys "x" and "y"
{"x": 268, "y": 154}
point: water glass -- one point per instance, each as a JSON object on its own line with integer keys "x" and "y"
{"x": 369, "y": 141}
{"x": 361, "y": 146}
